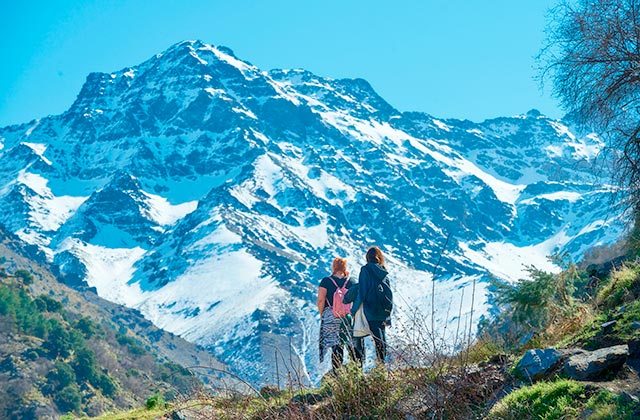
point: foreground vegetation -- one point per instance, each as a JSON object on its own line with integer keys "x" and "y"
{"x": 562, "y": 399}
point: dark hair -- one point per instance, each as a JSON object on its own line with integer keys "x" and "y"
{"x": 374, "y": 255}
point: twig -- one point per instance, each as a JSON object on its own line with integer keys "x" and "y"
{"x": 433, "y": 289}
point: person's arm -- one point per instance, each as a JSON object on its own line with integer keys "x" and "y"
{"x": 362, "y": 282}
{"x": 322, "y": 298}
{"x": 352, "y": 293}
{"x": 389, "y": 292}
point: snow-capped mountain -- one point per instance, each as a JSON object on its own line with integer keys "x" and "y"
{"x": 212, "y": 196}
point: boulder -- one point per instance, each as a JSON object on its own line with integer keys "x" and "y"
{"x": 571, "y": 351}
{"x": 538, "y": 363}
{"x": 308, "y": 398}
{"x": 607, "y": 327}
{"x": 178, "y": 415}
{"x": 269, "y": 391}
{"x": 634, "y": 349}
{"x": 593, "y": 365}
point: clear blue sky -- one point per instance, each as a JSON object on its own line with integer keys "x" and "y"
{"x": 452, "y": 58}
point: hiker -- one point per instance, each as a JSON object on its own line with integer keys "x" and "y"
{"x": 335, "y": 324}
{"x": 372, "y": 304}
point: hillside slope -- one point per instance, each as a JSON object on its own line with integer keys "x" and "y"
{"x": 62, "y": 350}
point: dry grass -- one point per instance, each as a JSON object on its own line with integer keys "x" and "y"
{"x": 568, "y": 325}
{"x": 137, "y": 414}
{"x": 623, "y": 285}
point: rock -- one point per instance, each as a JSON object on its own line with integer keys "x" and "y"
{"x": 629, "y": 398}
{"x": 525, "y": 339}
{"x": 595, "y": 364}
{"x": 538, "y": 363}
{"x": 178, "y": 415}
{"x": 496, "y": 359}
{"x": 499, "y": 359}
{"x": 607, "y": 327}
{"x": 634, "y": 348}
{"x": 308, "y": 398}
{"x": 571, "y": 351}
{"x": 269, "y": 391}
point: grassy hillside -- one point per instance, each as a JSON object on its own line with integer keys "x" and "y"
{"x": 68, "y": 351}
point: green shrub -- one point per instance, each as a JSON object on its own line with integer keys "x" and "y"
{"x": 562, "y": 399}
{"x": 106, "y": 385}
{"x": 84, "y": 365}
{"x": 544, "y": 400}
{"x": 155, "y": 401}
{"x": 46, "y": 304}
{"x": 587, "y": 336}
{"x": 31, "y": 354}
{"x": 59, "y": 342}
{"x": 24, "y": 275}
{"x": 355, "y": 394}
{"x": 623, "y": 286}
{"x": 606, "y": 406}
{"x": 61, "y": 376}
{"x": 624, "y": 330}
{"x": 68, "y": 399}
{"x": 134, "y": 345}
{"x": 483, "y": 349}
{"x": 530, "y": 306}
{"x": 87, "y": 327}
{"x": 18, "y": 307}
{"x": 529, "y": 300}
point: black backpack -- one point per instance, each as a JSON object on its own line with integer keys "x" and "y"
{"x": 381, "y": 295}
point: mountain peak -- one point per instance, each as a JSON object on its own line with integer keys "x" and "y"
{"x": 203, "y": 53}
{"x": 123, "y": 181}
{"x": 534, "y": 113}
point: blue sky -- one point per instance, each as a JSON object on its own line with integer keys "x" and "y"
{"x": 451, "y": 58}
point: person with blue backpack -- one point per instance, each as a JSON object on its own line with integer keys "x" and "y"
{"x": 372, "y": 300}
{"x": 335, "y": 314}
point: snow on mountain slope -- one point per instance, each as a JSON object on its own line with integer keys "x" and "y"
{"x": 212, "y": 196}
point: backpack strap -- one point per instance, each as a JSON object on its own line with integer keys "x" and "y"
{"x": 337, "y": 287}
{"x": 335, "y": 284}
{"x": 346, "y": 281}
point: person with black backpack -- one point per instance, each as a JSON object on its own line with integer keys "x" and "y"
{"x": 372, "y": 304}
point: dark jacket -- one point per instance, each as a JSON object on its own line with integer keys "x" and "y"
{"x": 373, "y": 283}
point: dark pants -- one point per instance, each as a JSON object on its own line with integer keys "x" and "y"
{"x": 379, "y": 339}
{"x": 337, "y": 357}
{"x": 337, "y": 352}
